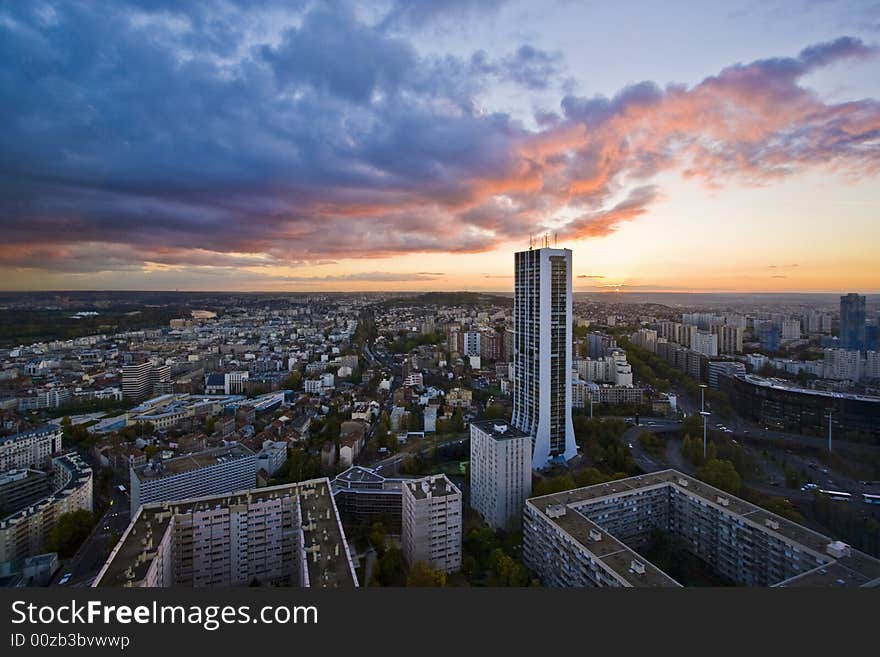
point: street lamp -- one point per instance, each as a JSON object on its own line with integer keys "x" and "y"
{"x": 702, "y": 397}
{"x": 705, "y": 415}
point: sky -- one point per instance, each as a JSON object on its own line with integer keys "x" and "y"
{"x": 411, "y": 145}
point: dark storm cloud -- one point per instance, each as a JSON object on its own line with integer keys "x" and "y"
{"x": 187, "y": 135}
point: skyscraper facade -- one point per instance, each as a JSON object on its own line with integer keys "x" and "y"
{"x": 542, "y": 328}
{"x": 852, "y": 322}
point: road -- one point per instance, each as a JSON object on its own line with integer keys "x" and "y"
{"x": 92, "y": 554}
{"x": 388, "y": 466}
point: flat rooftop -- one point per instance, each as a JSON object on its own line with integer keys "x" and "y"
{"x": 781, "y": 384}
{"x": 195, "y": 461}
{"x": 432, "y": 486}
{"x": 857, "y": 569}
{"x": 131, "y": 558}
{"x": 499, "y": 430}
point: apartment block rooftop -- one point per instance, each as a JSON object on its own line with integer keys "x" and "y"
{"x": 499, "y": 429}
{"x": 194, "y": 461}
{"x": 323, "y": 549}
{"x": 843, "y": 566}
{"x": 432, "y": 486}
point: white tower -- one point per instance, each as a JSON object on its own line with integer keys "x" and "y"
{"x": 542, "y": 352}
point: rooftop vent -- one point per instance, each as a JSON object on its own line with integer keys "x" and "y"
{"x": 637, "y": 567}
{"x": 682, "y": 482}
{"x": 500, "y": 428}
{"x": 595, "y": 535}
{"x": 772, "y": 524}
{"x": 555, "y": 510}
{"x": 838, "y": 549}
{"x": 723, "y": 501}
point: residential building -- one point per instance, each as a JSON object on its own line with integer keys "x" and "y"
{"x": 210, "y": 472}
{"x": 591, "y": 536}
{"x": 287, "y": 535}
{"x": 136, "y": 381}
{"x": 542, "y": 353}
{"x": 30, "y": 449}
{"x": 33, "y": 503}
{"x": 432, "y": 523}
{"x": 500, "y": 472}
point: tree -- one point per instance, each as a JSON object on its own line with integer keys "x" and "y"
{"x": 495, "y": 412}
{"x": 506, "y": 571}
{"x": 721, "y": 474}
{"x": 293, "y": 381}
{"x": 70, "y": 530}
{"x": 391, "y": 569}
{"x": 377, "y": 538}
{"x": 422, "y": 574}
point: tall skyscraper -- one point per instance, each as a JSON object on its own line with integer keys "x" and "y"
{"x": 852, "y": 322}
{"x": 542, "y": 352}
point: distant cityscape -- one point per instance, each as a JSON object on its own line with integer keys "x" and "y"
{"x": 440, "y": 439}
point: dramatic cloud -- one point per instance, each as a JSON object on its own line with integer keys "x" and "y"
{"x": 222, "y": 135}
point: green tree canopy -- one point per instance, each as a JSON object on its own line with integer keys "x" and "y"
{"x": 70, "y": 530}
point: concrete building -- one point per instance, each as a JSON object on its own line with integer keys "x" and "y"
{"x": 852, "y": 322}
{"x": 646, "y": 339}
{"x": 472, "y": 340}
{"x": 500, "y": 473}
{"x": 590, "y": 537}
{"x": 34, "y": 502}
{"x": 542, "y": 327}
{"x": 730, "y": 339}
{"x": 791, "y": 329}
{"x": 363, "y": 497}
{"x": 286, "y": 535}
{"x": 842, "y": 364}
{"x": 136, "y": 383}
{"x": 431, "y": 523}
{"x": 30, "y": 449}
{"x": 704, "y": 343}
{"x": 210, "y": 472}
{"x": 719, "y": 368}
{"x": 234, "y": 382}
{"x": 786, "y": 407}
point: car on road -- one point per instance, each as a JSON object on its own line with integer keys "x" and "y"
{"x": 65, "y": 578}
{"x": 630, "y": 445}
{"x": 808, "y": 487}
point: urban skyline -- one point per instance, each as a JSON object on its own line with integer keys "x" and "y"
{"x": 392, "y": 146}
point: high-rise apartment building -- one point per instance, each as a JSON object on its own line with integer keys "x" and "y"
{"x": 431, "y": 523}
{"x": 136, "y": 383}
{"x": 287, "y": 535}
{"x": 852, "y": 322}
{"x": 730, "y": 338}
{"x": 542, "y": 352}
{"x": 501, "y": 472}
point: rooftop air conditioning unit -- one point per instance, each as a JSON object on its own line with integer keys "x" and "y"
{"x": 637, "y": 567}
{"x": 723, "y": 501}
{"x": 595, "y": 535}
{"x": 838, "y": 549}
{"x": 772, "y": 524}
